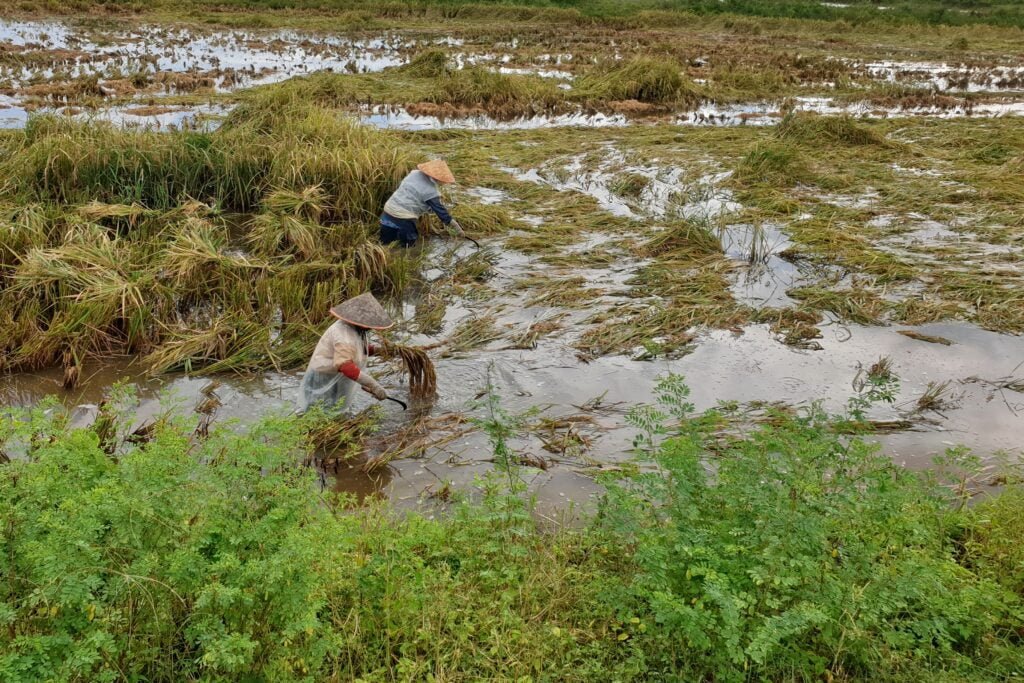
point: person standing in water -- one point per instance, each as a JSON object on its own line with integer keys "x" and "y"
{"x": 417, "y": 195}
{"x": 336, "y": 367}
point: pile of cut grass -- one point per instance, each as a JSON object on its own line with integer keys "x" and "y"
{"x": 432, "y": 63}
{"x": 855, "y": 305}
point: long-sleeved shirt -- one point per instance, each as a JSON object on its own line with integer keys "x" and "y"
{"x": 416, "y": 195}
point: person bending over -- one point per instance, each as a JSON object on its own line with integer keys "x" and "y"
{"x": 336, "y": 367}
{"x": 417, "y": 195}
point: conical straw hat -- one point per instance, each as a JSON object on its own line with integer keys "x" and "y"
{"x": 363, "y": 311}
{"x": 438, "y": 170}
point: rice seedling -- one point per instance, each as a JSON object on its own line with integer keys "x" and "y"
{"x": 334, "y": 439}
{"x": 792, "y": 326}
{"x": 299, "y": 157}
{"x": 501, "y": 95}
{"x": 207, "y": 405}
{"x": 737, "y": 82}
{"x": 371, "y": 262}
{"x": 904, "y": 96}
{"x": 423, "y": 433}
{"x": 72, "y": 370}
{"x": 682, "y": 239}
{"x": 433, "y": 63}
{"x": 97, "y": 290}
{"x": 562, "y": 292}
{"x": 630, "y": 184}
{"x": 1009, "y": 383}
{"x": 995, "y": 301}
{"x": 669, "y": 328}
{"x": 772, "y": 164}
{"x": 548, "y": 238}
{"x": 272, "y": 234}
{"x": 528, "y": 338}
{"x": 309, "y": 204}
{"x": 476, "y": 268}
{"x": 196, "y": 263}
{"x": 21, "y": 230}
{"x": 96, "y": 211}
{"x": 881, "y": 370}
{"x": 937, "y": 397}
{"x": 486, "y": 219}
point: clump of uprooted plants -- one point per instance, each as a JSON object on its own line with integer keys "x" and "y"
{"x": 220, "y": 251}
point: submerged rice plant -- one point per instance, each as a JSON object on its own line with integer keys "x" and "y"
{"x": 498, "y": 93}
{"x": 813, "y": 129}
{"x": 656, "y": 81}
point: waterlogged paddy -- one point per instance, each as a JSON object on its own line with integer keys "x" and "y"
{"x": 768, "y": 266}
{"x": 748, "y": 366}
{"x": 171, "y": 76}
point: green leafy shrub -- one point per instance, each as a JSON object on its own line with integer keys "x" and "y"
{"x": 789, "y": 553}
{"x": 222, "y": 560}
{"x": 796, "y": 554}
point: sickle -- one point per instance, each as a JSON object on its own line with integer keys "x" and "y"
{"x": 472, "y": 240}
{"x": 401, "y": 403}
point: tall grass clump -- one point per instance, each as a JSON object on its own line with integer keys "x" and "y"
{"x": 772, "y": 164}
{"x": 121, "y": 241}
{"x": 496, "y": 92}
{"x": 647, "y": 79}
{"x": 813, "y": 129}
{"x": 433, "y": 63}
{"x": 261, "y": 148}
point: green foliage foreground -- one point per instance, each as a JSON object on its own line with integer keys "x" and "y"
{"x": 788, "y": 553}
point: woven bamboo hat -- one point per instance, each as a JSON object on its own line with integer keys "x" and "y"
{"x": 438, "y": 170}
{"x": 363, "y": 311}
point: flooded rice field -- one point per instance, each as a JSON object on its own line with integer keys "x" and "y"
{"x": 769, "y": 250}
{"x": 169, "y": 77}
{"x": 581, "y": 429}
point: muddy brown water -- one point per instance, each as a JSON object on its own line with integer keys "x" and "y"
{"x": 725, "y": 366}
{"x": 745, "y": 366}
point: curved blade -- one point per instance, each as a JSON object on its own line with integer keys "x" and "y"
{"x": 401, "y": 403}
{"x": 477, "y": 244}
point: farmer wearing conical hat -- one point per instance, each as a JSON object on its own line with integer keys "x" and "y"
{"x": 417, "y": 195}
{"x": 336, "y": 367}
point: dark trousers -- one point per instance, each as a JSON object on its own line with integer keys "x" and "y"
{"x": 401, "y": 230}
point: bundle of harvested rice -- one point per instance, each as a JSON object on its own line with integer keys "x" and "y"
{"x": 422, "y": 378}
